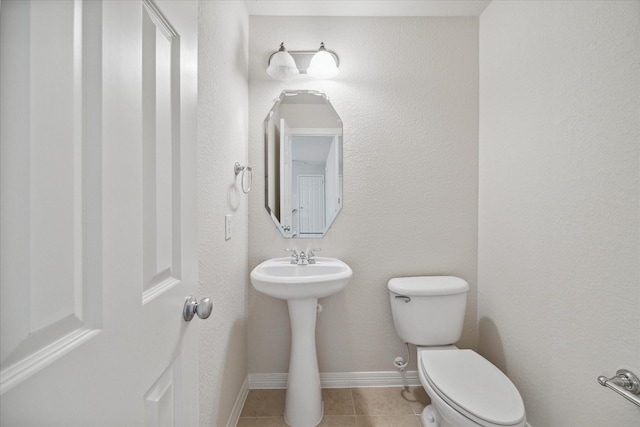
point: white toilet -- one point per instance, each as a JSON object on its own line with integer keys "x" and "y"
{"x": 465, "y": 388}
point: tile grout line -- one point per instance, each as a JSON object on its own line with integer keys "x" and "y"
{"x": 353, "y": 403}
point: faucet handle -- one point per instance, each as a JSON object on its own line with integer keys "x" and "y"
{"x": 294, "y": 255}
{"x": 311, "y": 255}
{"x": 312, "y": 251}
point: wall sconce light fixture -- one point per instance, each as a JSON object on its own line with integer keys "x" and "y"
{"x": 319, "y": 64}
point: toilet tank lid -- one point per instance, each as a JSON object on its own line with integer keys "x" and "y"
{"x": 428, "y": 285}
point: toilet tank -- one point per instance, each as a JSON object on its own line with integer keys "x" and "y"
{"x": 428, "y": 310}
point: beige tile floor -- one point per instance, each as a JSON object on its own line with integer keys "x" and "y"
{"x": 370, "y": 407}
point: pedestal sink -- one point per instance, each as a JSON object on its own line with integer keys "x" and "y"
{"x": 301, "y": 286}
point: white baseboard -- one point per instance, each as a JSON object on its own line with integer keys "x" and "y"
{"x": 341, "y": 379}
{"x": 237, "y": 407}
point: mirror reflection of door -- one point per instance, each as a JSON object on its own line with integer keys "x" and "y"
{"x": 311, "y": 204}
{"x": 313, "y": 159}
{"x": 303, "y": 159}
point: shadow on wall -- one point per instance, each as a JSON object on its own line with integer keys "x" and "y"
{"x": 490, "y": 344}
{"x": 227, "y": 387}
{"x": 334, "y": 324}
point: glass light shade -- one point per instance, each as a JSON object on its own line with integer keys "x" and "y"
{"x": 282, "y": 66}
{"x": 323, "y": 65}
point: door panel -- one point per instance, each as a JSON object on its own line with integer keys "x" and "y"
{"x": 161, "y": 153}
{"x": 50, "y": 294}
{"x": 311, "y": 199}
{"x": 98, "y": 212}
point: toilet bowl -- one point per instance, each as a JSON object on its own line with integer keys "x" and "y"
{"x": 466, "y": 390}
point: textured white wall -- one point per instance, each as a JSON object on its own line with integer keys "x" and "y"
{"x": 559, "y": 279}
{"x": 222, "y": 141}
{"x": 408, "y": 95}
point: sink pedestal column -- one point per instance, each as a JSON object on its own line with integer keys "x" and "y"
{"x": 304, "y": 397}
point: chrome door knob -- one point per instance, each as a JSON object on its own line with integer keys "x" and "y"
{"x": 192, "y": 307}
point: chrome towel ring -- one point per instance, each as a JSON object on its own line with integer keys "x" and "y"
{"x": 237, "y": 168}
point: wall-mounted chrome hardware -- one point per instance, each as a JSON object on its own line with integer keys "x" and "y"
{"x": 625, "y": 383}
{"x": 237, "y": 168}
{"x": 192, "y": 307}
{"x": 403, "y": 298}
{"x": 319, "y": 64}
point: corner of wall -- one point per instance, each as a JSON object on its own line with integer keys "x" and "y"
{"x": 222, "y": 141}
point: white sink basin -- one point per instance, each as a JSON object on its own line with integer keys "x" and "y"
{"x": 278, "y": 278}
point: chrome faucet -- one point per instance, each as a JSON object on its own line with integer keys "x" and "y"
{"x": 302, "y": 259}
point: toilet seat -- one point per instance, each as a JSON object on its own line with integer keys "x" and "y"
{"x": 473, "y": 386}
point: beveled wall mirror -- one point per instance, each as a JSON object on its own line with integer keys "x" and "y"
{"x": 303, "y": 163}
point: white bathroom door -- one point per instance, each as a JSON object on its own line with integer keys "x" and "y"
{"x": 97, "y": 225}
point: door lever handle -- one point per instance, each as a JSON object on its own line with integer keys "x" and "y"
{"x": 192, "y": 307}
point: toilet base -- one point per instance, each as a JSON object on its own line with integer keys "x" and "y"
{"x": 430, "y": 417}
{"x": 440, "y": 414}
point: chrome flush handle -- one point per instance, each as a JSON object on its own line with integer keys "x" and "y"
{"x": 403, "y": 298}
